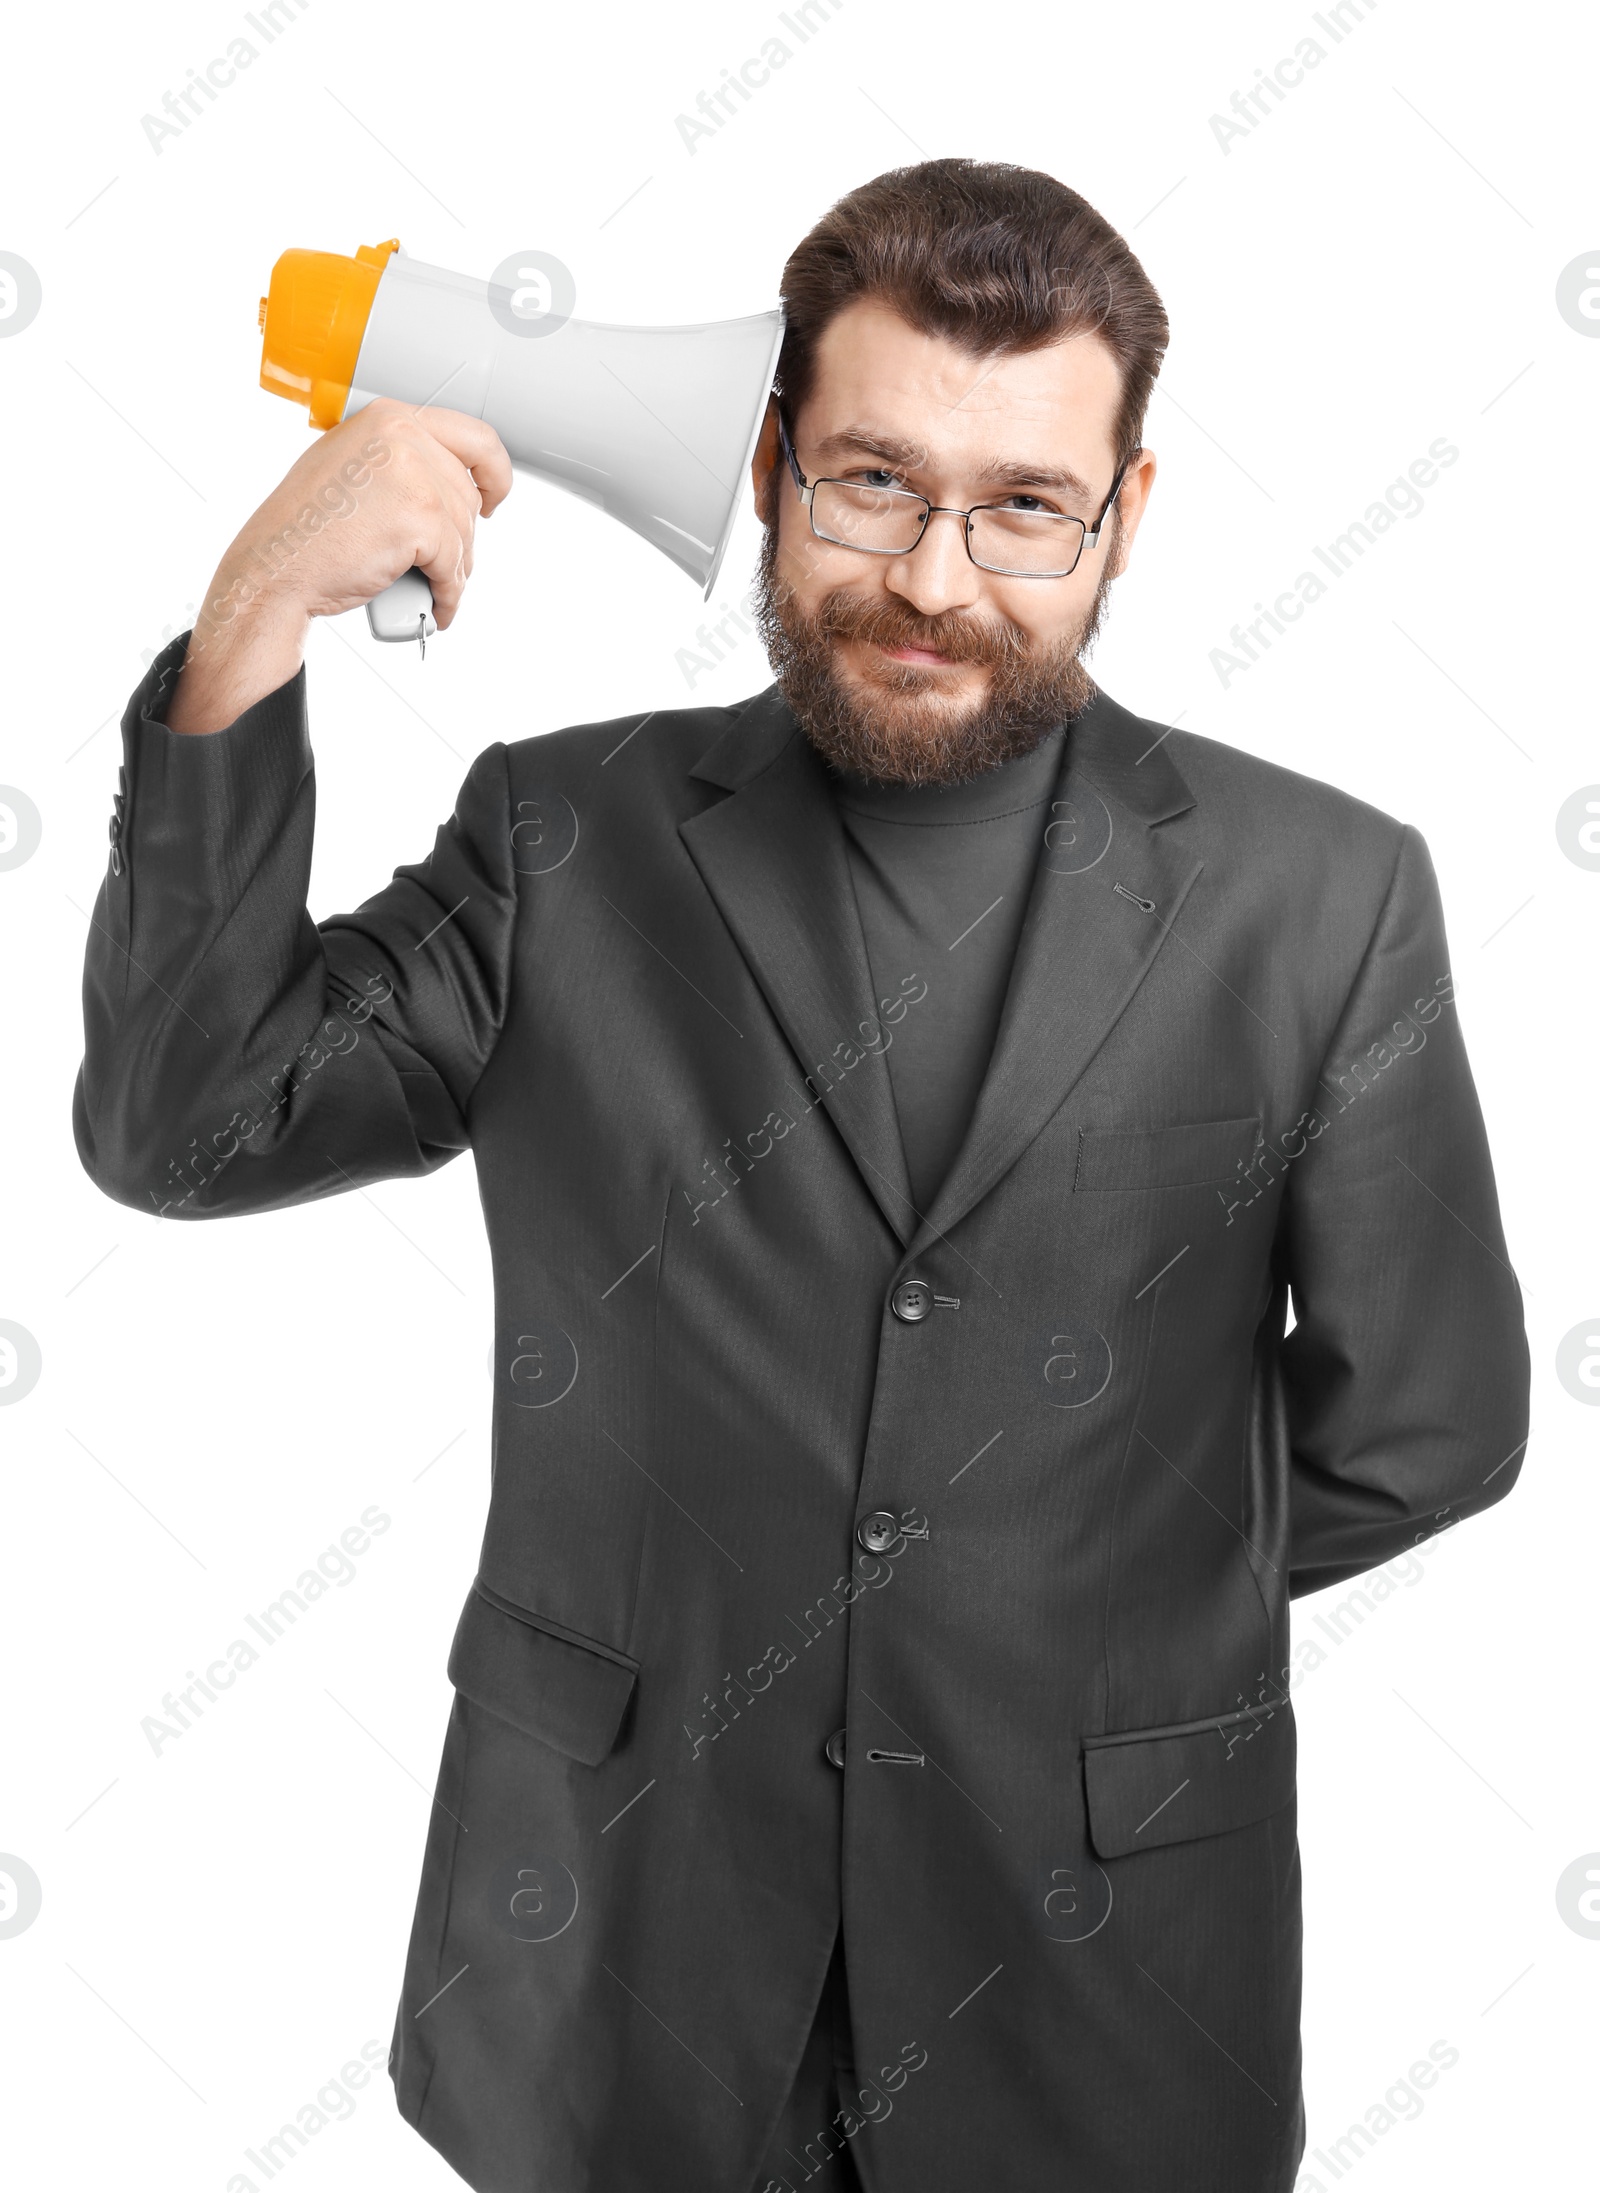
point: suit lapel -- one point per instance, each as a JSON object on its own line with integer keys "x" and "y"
{"x": 773, "y": 857}
{"x": 1085, "y": 947}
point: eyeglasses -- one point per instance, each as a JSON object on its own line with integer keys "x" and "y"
{"x": 890, "y": 521}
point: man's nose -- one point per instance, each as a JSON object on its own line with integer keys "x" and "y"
{"x": 937, "y": 574}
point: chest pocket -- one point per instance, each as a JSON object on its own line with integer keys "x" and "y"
{"x": 1190, "y": 1156}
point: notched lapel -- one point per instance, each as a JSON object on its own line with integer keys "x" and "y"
{"x": 1084, "y": 949}
{"x": 772, "y": 855}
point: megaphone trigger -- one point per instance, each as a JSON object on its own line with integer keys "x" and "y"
{"x": 655, "y": 425}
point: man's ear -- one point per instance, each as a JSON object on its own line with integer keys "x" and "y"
{"x": 764, "y": 465}
{"x": 1131, "y": 504}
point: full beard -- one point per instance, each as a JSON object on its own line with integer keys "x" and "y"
{"x": 903, "y": 728}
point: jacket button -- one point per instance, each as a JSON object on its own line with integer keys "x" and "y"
{"x": 834, "y": 1748}
{"x": 911, "y": 1301}
{"x": 877, "y": 1532}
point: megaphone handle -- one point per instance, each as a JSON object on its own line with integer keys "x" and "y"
{"x": 403, "y": 611}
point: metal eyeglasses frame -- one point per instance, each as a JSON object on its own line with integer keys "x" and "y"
{"x": 1088, "y": 535}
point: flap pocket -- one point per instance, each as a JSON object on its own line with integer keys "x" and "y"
{"x": 564, "y": 1689}
{"x": 1164, "y": 1157}
{"x": 1147, "y": 1787}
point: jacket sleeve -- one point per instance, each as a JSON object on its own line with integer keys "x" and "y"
{"x": 237, "y": 1055}
{"x": 1404, "y": 1384}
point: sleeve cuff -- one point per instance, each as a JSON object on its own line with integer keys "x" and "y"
{"x": 283, "y": 710}
{"x": 196, "y": 804}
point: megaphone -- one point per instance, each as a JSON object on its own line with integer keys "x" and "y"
{"x": 655, "y": 425}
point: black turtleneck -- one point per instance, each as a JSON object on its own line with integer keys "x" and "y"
{"x": 942, "y": 874}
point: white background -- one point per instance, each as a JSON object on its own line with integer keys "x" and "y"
{"x": 1372, "y": 267}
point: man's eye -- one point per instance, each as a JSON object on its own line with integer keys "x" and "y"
{"x": 877, "y": 476}
{"x": 1032, "y": 503}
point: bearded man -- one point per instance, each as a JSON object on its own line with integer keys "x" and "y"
{"x": 906, "y": 1106}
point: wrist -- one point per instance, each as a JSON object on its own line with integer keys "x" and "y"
{"x": 243, "y": 612}
{"x": 247, "y": 641}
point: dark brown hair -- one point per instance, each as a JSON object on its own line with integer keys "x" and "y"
{"x": 990, "y": 256}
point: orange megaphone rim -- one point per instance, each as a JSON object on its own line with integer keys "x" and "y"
{"x": 312, "y": 321}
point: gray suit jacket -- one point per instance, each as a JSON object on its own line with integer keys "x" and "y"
{"x": 1006, "y": 1498}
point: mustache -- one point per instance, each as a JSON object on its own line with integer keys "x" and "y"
{"x": 901, "y": 731}
{"x": 889, "y": 623}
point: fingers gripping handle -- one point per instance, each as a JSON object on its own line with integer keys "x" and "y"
{"x": 404, "y": 611}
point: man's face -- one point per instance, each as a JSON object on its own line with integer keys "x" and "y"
{"x": 922, "y": 667}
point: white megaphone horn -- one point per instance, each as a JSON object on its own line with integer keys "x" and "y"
{"x": 656, "y": 425}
